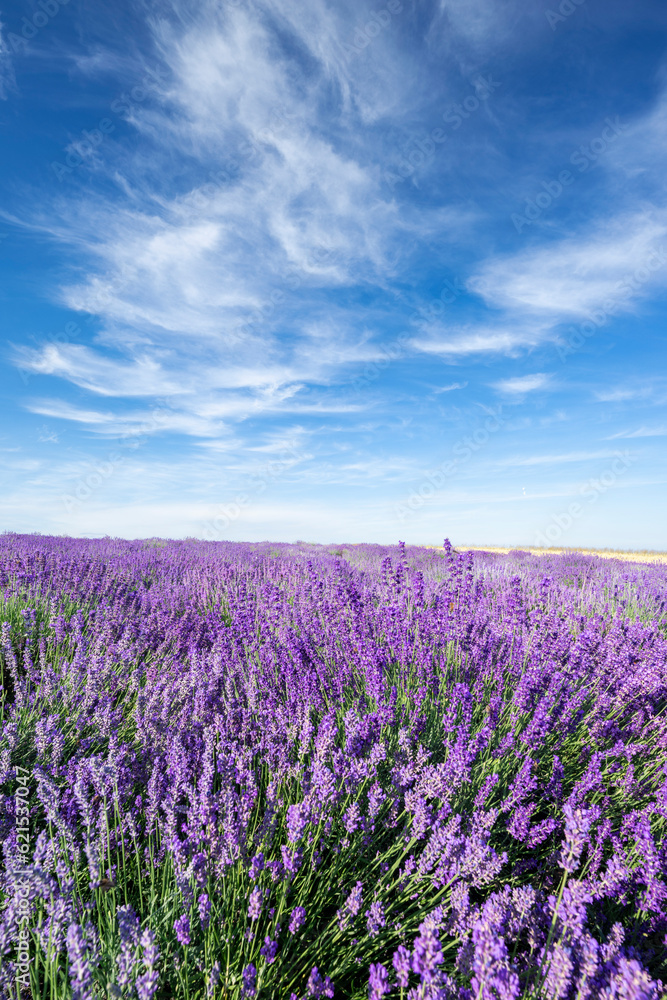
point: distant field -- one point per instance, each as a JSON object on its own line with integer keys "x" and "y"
{"x": 641, "y": 556}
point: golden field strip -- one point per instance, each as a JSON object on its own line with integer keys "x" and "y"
{"x": 642, "y": 556}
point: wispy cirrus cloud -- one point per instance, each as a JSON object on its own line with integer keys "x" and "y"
{"x": 462, "y": 342}
{"x": 573, "y": 276}
{"x": 450, "y": 388}
{"x": 622, "y": 394}
{"x": 640, "y": 432}
{"x": 563, "y": 459}
{"x": 522, "y": 384}
{"x": 173, "y": 270}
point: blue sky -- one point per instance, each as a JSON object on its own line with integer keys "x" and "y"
{"x": 294, "y": 269}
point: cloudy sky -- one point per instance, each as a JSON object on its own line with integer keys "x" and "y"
{"x": 311, "y": 269}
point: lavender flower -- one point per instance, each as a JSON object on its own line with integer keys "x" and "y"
{"x": 249, "y": 977}
{"x": 318, "y": 987}
{"x": 204, "y": 906}
{"x": 146, "y": 983}
{"x": 351, "y": 906}
{"x": 255, "y": 903}
{"x": 559, "y": 971}
{"x": 633, "y": 982}
{"x": 298, "y": 818}
{"x": 578, "y": 823}
{"x": 375, "y": 919}
{"x": 80, "y": 974}
{"x": 255, "y": 677}
{"x": 378, "y": 982}
{"x": 297, "y": 919}
{"x": 402, "y": 963}
{"x": 182, "y": 929}
{"x": 256, "y": 865}
{"x": 213, "y": 978}
{"x": 426, "y": 953}
{"x": 269, "y": 950}
{"x": 352, "y": 818}
{"x": 128, "y": 926}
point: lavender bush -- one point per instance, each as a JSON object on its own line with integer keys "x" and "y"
{"x": 295, "y": 771}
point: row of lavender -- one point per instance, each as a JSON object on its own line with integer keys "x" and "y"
{"x": 292, "y": 771}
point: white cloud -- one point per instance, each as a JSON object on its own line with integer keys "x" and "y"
{"x": 621, "y": 395}
{"x": 641, "y": 432}
{"x": 574, "y": 276}
{"x": 462, "y": 341}
{"x": 450, "y": 388}
{"x": 522, "y": 384}
{"x": 137, "y": 424}
{"x": 65, "y": 411}
{"x": 572, "y": 456}
{"x": 483, "y": 24}
{"x": 99, "y": 374}
{"x": 215, "y": 286}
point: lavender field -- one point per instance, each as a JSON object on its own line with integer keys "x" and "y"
{"x": 301, "y": 771}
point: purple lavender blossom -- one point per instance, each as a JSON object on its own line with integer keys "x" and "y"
{"x": 378, "y": 981}
{"x": 269, "y": 950}
{"x": 249, "y": 977}
{"x": 633, "y": 982}
{"x": 254, "y": 677}
{"x": 256, "y": 865}
{"x": 402, "y": 963}
{"x": 578, "y": 823}
{"x": 427, "y": 953}
{"x": 213, "y": 978}
{"x": 351, "y": 906}
{"x": 559, "y": 967}
{"x": 255, "y": 903}
{"x": 80, "y": 974}
{"x": 182, "y": 929}
{"x": 204, "y": 906}
{"x": 375, "y": 919}
{"x": 492, "y": 974}
{"x": 318, "y": 987}
{"x": 146, "y": 983}
{"x": 298, "y": 818}
{"x": 352, "y": 818}
{"x": 297, "y": 919}
{"x": 128, "y": 926}
{"x": 291, "y": 859}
